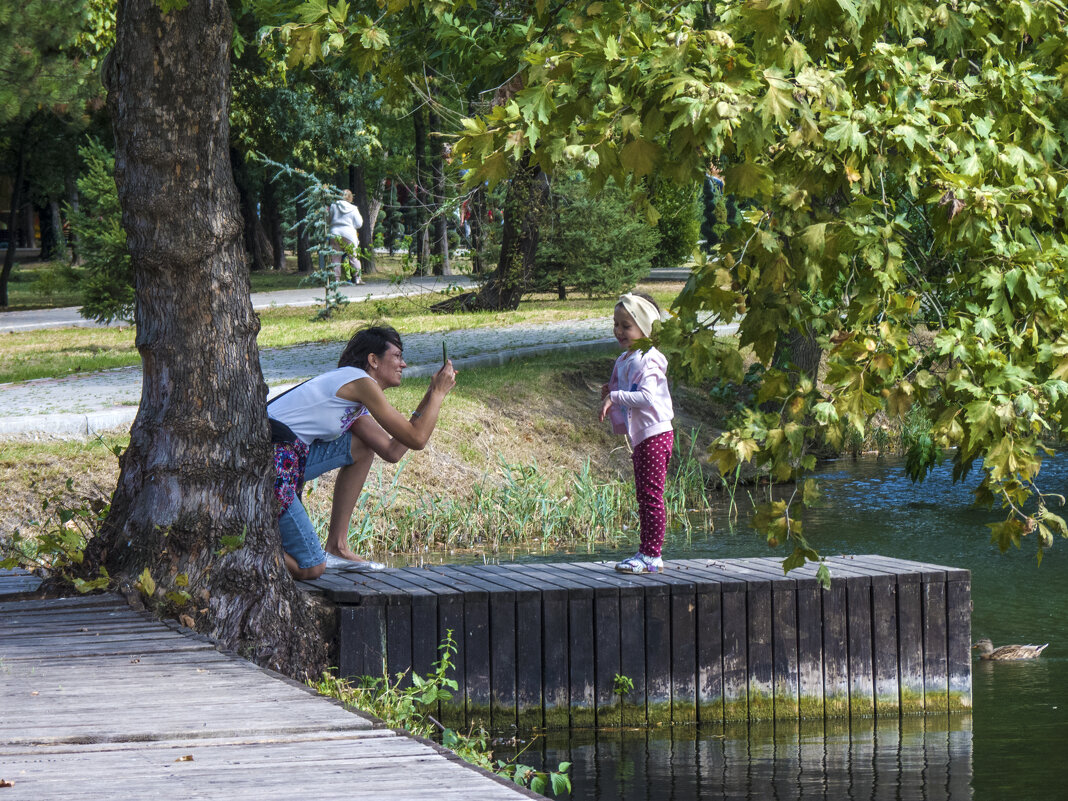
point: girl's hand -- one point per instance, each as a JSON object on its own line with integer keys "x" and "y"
{"x": 444, "y": 379}
{"x": 604, "y": 391}
{"x": 606, "y": 404}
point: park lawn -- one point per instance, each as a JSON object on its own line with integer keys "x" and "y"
{"x": 56, "y": 352}
{"x": 512, "y": 442}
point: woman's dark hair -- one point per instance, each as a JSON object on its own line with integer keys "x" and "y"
{"x": 373, "y": 339}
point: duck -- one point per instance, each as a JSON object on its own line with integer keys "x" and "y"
{"x": 988, "y": 651}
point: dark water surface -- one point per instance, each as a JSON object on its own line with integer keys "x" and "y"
{"x": 1012, "y": 747}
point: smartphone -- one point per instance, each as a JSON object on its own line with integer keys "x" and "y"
{"x": 444, "y": 354}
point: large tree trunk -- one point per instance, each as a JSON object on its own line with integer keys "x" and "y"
{"x": 524, "y": 209}
{"x": 13, "y": 214}
{"x": 198, "y": 465}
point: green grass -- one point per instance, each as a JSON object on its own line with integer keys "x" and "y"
{"x": 56, "y": 352}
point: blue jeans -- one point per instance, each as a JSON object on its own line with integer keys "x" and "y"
{"x": 299, "y": 539}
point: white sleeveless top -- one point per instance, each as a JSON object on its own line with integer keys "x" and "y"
{"x": 314, "y": 411}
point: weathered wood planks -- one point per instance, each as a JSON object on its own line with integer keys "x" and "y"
{"x": 99, "y": 701}
{"x": 579, "y": 645}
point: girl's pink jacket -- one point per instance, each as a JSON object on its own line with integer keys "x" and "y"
{"x": 641, "y": 403}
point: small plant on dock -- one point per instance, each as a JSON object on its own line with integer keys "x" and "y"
{"x": 622, "y": 685}
{"x": 409, "y": 705}
{"x": 56, "y": 540}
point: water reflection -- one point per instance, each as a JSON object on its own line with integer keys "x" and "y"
{"x": 928, "y": 759}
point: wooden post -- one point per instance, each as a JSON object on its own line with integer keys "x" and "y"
{"x": 475, "y": 650}
{"x": 502, "y": 637}
{"x": 555, "y": 679}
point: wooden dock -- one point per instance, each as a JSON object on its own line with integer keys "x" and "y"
{"x": 100, "y": 701}
{"x": 580, "y": 645}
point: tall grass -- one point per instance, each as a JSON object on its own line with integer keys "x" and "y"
{"x": 518, "y": 506}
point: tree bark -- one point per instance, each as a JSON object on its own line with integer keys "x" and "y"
{"x": 198, "y": 465}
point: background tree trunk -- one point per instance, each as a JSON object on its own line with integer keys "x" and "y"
{"x": 272, "y": 218}
{"x": 198, "y": 467}
{"x": 358, "y": 185}
{"x": 246, "y": 199}
{"x": 13, "y": 214}
{"x": 524, "y": 209}
{"x": 304, "y": 259}
{"x": 420, "y": 232}
{"x": 441, "y": 223}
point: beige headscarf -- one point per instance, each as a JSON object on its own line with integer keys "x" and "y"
{"x": 643, "y": 312}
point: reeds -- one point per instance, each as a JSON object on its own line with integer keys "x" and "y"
{"x": 517, "y": 506}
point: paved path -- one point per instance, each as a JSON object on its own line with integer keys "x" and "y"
{"x": 84, "y": 404}
{"x": 99, "y": 701}
{"x": 69, "y": 316}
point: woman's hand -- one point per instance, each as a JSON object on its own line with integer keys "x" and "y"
{"x": 444, "y": 379}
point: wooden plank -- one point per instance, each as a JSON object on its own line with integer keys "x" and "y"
{"x": 683, "y": 654}
{"x": 910, "y": 643}
{"x": 632, "y": 644}
{"x": 809, "y": 635}
{"x": 502, "y": 628}
{"x": 423, "y": 638}
{"x": 528, "y": 621}
{"x": 362, "y": 641}
{"x": 783, "y": 636}
{"x": 835, "y": 649}
{"x": 959, "y": 643}
{"x": 935, "y": 648}
{"x": 708, "y": 641}
{"x": 885, "y": 646}
{"x": 608, "y": 625}
{"x": 731, "y": 668}
{"x": 555, "y": 638}
{"x": 476, "y": 643}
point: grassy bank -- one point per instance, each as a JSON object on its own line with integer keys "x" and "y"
{"x": 519, "y": 461}
{"x": 57, "y": 352}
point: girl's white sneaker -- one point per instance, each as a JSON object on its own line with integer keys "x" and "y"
{"x": 640, "y": 563}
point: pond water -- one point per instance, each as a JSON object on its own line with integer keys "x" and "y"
{"x": 1008, "y": 747}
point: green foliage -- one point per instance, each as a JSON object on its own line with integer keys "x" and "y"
{"x": 622, "y": 685}
{"x": 410, "y": 706}
{"x": 56, "y": 541}
{"x": 900, "y": 166}
{"x": 107, "y": 281}
{"x": 592, "y": 242}
{"x": 679, "y": 223}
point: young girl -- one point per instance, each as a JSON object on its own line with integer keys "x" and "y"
{"x": 639, "y": 404}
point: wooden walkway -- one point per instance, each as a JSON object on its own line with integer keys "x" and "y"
{"x": 99, "y": 701}
{"x": 713, "y": 641}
